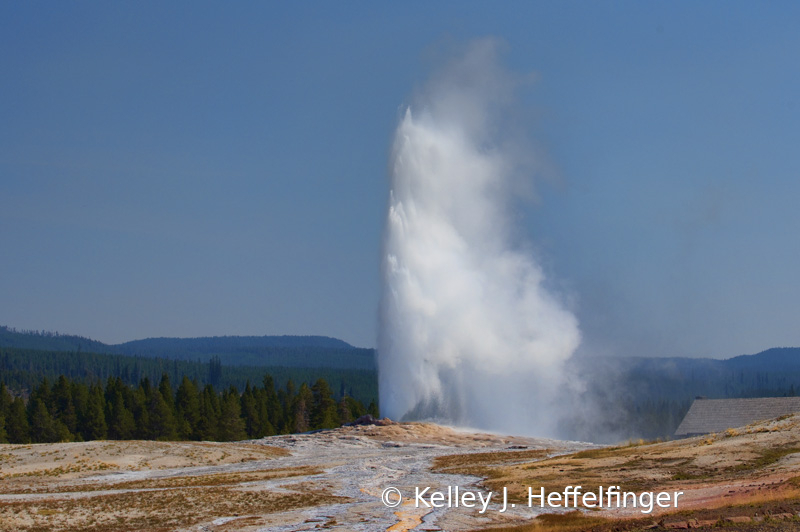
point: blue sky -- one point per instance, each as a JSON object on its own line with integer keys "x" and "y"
{"x": 212, "y": 169}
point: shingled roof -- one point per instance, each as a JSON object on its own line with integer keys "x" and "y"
{"x": 714, "y": 415}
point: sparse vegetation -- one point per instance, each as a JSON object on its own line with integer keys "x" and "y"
{"x": 768, "y": 456}
{"x": 164, "y": 509}
{"x": 462, "y": 463}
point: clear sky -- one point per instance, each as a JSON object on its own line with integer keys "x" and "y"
{"x": 193, "y": 169}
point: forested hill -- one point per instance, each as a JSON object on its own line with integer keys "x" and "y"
{"x": 49, "y": 341}
{"x": 216, "y": 343}
{"x": 775, "y": 371}
{"x": 777, "y": 358}
{"x": 288, "y": 351}
{"x": 648, "y": 397}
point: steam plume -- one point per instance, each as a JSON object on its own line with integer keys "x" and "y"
{"x": 469, "y": 333}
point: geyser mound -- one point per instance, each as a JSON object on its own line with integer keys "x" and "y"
{"x": 469, "y": 333}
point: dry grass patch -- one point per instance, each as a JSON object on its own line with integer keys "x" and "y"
{"x": 760, "y": 512}
{"x": 182, "y": 481}
{"x": 458, "y": 463}
{"x": 129, "y": 455}
{"x": 75, "y": 460}
{"x": 166, "y": 509}
{"x": 767, "y": 457}
{"x": 732, "y": 456}
{"x": 219, "y": 479}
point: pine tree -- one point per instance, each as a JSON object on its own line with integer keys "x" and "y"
{"x": 262, "y": 406}
{"x": 64, "y": 408}
{"x": 323, "y": 411}
{"x": 343, "y": 409}
{"x": 372, "y": 409}
{"x": 208, "y": 424}
{"x": 187, "y": 409}
{"x": 162, "y": 418}
{"x": 43, "y": 428}
{"x": 356, "y": 408}
{"x": 121, "y": 424}
{"x": 40, "y": 394}
{"x": 301, "y": 409}
{"x": 94, "y": 421}
{"x": 140, "y": 411}
{"x": 231, "y": 424}
{"x": 5, "y": 405}
{"x": 166, "y": 391}
{"x": 80, "y": 401}
{"x": 5, "y": 399}
{"x": 17, "y": 427}
{"x": 288, "y": 398}
{"x": 249, "y": 409}
{"x": 273, "y": 407}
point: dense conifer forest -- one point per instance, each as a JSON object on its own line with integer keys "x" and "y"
{"x": 69, "y": 410}
{"x": 23, "y": 369}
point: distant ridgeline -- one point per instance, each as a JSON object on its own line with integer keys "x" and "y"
{"x": 28, "y": 356}
{"x": 641, "y": 397}
{"x": 289, "y": 351}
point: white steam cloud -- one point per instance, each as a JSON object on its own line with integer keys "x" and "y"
{"x": 469, "y": 333}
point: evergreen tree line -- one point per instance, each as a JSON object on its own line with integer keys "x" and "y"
{"x": 71, "y": 410}
{"x": 23, "y": 369}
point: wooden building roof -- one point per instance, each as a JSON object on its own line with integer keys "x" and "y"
{"x": 715, "y": 415}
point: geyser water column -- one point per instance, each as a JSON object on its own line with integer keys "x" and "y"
{"x": 469, "y": 334}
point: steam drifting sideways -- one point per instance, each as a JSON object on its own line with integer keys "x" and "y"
{"x": 469, "y": 334}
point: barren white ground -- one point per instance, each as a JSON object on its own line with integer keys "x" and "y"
{"x": 66, "y": 486}
{"x": 361, "y": 462}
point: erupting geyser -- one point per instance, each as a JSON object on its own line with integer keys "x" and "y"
{"x": 469, "y": 334}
